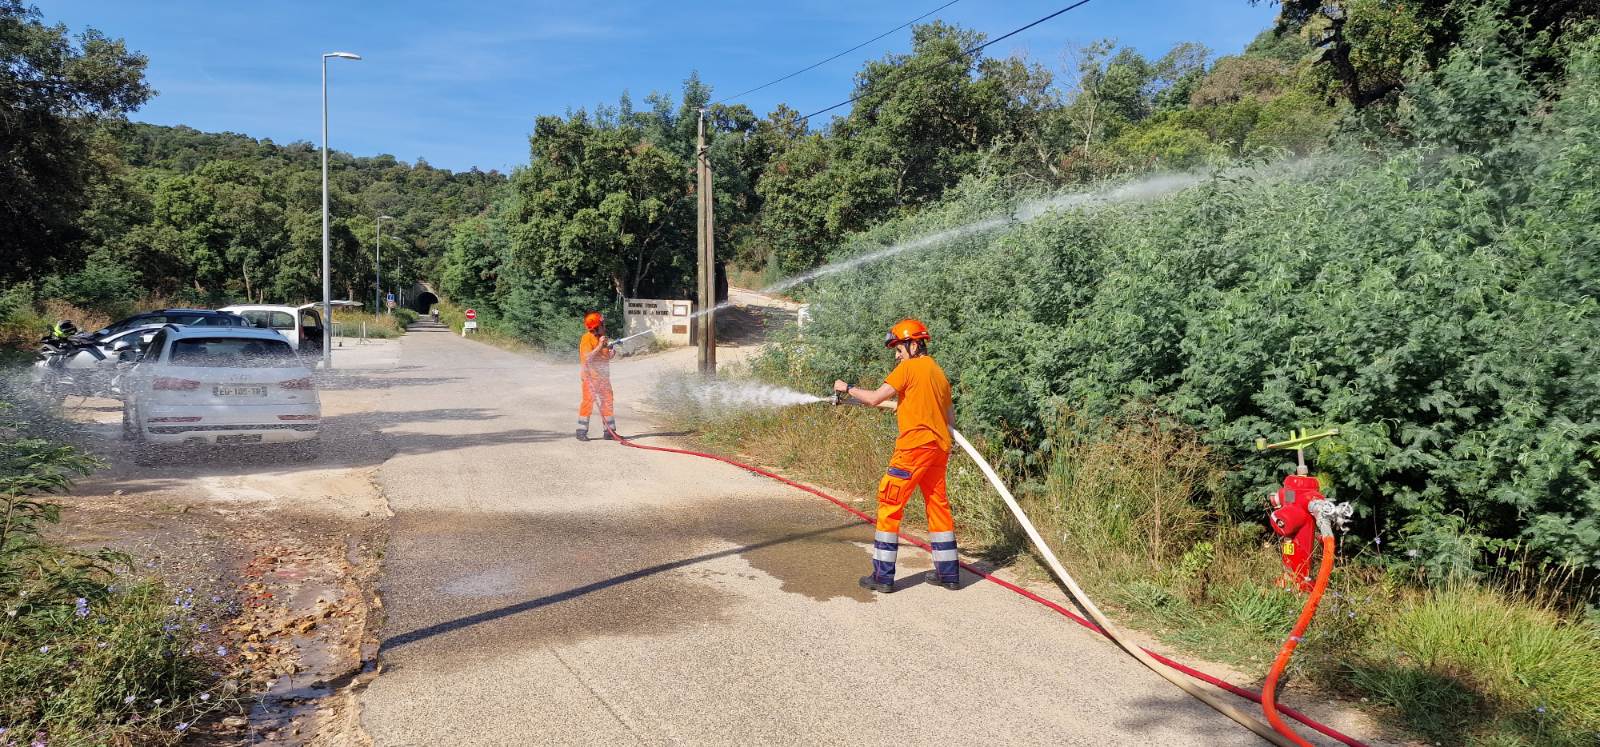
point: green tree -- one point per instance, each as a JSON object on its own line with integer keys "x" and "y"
{"x": 55, "y": 92}
{"x": 1366, "y": 45}
{"x": 602, "y": 206}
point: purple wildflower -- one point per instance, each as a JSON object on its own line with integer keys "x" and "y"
{"x": 222, "y": 651}
{"x": 183, "y": 727}
{"x": 82, "y": 606}
{"x": 44, "y": 649}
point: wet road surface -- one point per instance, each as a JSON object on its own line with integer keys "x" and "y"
{"x": 542, "y": 590}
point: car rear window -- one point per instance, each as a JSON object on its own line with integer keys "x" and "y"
{"x": 265, "y": 319}
{"x": 233, "y": 352}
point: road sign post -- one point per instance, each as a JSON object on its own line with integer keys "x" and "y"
{"x": 471, "y": 323}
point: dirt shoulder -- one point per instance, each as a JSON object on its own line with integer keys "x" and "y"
{"x": 288, "y": 549}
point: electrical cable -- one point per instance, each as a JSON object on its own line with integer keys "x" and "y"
{"x": 1103, "y": 630}
{"x": 974, "y": 49}
{"x": 837, "y": 56}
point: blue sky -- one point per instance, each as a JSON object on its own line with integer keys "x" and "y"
{"x": 459, "y": 84}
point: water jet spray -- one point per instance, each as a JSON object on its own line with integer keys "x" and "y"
{"x": 1136, "y": 191}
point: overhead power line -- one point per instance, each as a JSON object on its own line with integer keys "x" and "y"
{"x": 976, "y": 48}
{"x": 837, "y": 56}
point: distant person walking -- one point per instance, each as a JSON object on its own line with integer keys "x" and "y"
{"x": 925, "y": 414}
{"x": 594, "y": 370}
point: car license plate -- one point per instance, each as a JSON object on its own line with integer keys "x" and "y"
{"x": 239, "y": 391}
{"x": 247, "y": 438}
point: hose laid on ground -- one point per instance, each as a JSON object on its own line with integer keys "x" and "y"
{"x": 1227, "y": 709}
{"x": 1269, "y": 691}
{"x": 1145, "y": 656}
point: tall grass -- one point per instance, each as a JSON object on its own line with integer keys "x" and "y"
{"x": 1133, "y": 491}
{"x": 377, "y": 326}
{"x": 1464, "y": 663}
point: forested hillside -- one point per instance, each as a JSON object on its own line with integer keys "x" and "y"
{"x": 100, "y": 212}
{"x": 207, "y": 219}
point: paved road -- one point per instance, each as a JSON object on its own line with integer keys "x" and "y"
{"x": 542, "y": 590}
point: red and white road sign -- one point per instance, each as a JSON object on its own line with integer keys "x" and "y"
{"x": 472, "y": 313}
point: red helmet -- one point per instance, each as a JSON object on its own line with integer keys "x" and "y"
{"x": 905, "y": 331}
{"x": 592, "y": 320}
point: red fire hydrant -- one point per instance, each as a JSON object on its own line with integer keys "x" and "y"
{"x": 1291, "y": 520}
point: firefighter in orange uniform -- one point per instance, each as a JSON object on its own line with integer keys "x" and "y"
{"x": 925, "y": 414}
{"x": 594, "y": 368}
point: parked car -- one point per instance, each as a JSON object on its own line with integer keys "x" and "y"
{"x": 210, "y": 385}
{"x": 300, "y": 325}
{"x": 185, "y": 317}
{"x": 86, "y": 365}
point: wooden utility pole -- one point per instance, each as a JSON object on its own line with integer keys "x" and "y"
{"x": 706, "y": 323}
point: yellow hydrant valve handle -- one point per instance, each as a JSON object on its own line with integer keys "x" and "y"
{"x": 1297, "y": 439}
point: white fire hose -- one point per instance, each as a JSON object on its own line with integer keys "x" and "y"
{"x": 1208, "y": 697}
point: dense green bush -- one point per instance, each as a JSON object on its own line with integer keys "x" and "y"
{"x": 1439, "y": 303}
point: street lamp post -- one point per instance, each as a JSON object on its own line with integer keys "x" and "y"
{"x": 327, "y": 278}
{"x": 377, "y": 263}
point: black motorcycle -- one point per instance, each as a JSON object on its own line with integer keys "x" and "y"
{"x": 71, "y": 366}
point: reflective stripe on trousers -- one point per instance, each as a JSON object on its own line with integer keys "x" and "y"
{"x": 908, "y": 471}
{"x": 885, "y": 547}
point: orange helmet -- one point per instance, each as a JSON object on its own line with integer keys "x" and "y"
{"x": 592, "y": 320}
{"x": 905, "y": 331}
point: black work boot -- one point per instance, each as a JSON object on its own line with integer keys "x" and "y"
{"x": 583, "y": 435}
{"x": 871, "y": 583}
{"x": 933, "y": 577}
{"x": 611, "y": 430}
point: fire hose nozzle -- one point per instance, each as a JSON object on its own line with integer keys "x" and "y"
{"x": 1330, "y": 515}
{"x": 838, "y": 397}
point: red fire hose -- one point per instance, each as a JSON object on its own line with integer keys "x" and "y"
{"x": 1267, "y": 698}
{"x": 1269, "y": 692}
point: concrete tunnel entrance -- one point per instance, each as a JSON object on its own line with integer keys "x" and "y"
{"x": 423, "y": 301}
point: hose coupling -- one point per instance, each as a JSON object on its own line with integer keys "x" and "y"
{"x": 1330, "y": 515}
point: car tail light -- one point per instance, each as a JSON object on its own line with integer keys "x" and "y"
{"x": 304, "y": 383}
{"x": 167, "y": 382}
{"x": 298, "y": 417}
{"x": 174, "y": 420}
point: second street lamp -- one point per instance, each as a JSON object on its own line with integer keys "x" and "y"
{"x": 327, "y": 278}
{"x": 377, "y": 264}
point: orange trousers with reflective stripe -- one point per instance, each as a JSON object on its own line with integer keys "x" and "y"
{"x": 910, "y": 469}
{"x": 593, "y": 385}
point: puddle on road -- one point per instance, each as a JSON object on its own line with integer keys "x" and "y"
{"x": 822, "y": 567}
{"x": 471, "y": 586}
